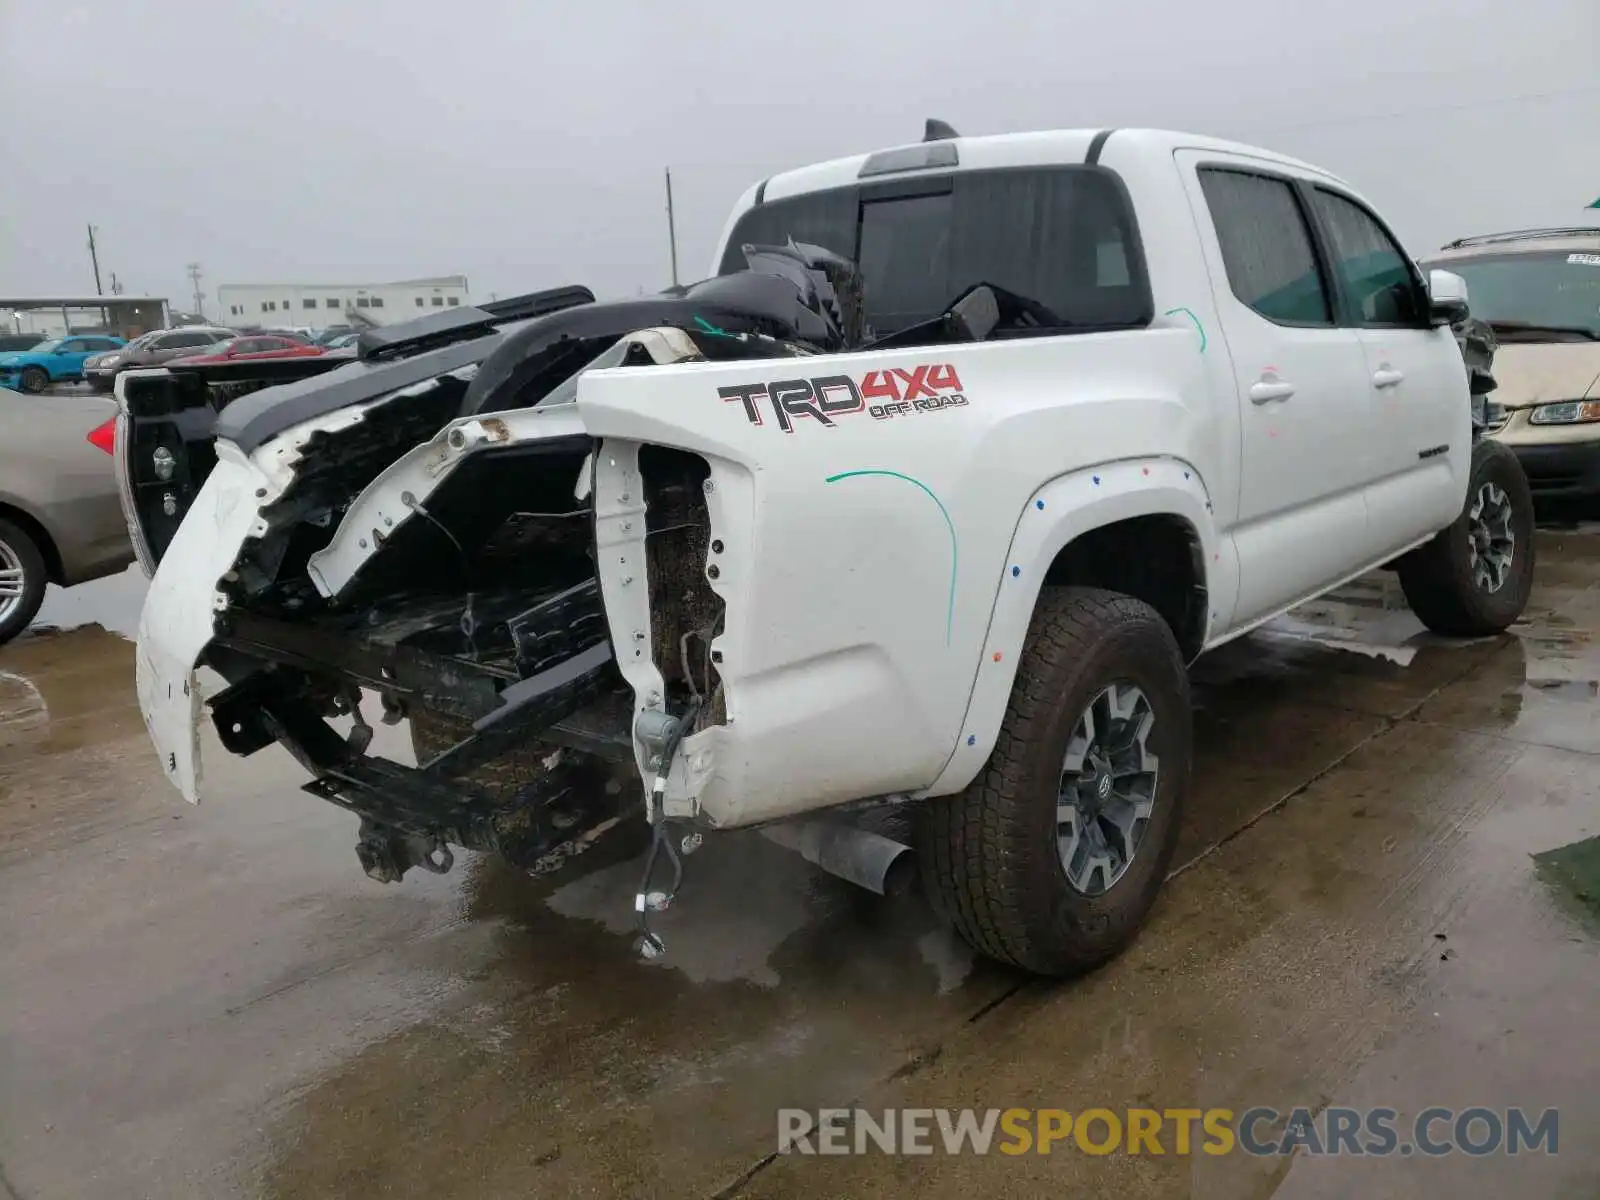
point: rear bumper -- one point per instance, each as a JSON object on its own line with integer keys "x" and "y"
{"x": 1569, "y": 470}
{"x": 179, "y": 612}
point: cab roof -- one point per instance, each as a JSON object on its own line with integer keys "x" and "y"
{"x": 1052, "y": 147}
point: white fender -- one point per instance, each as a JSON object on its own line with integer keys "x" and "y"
{"x": 1059, "y": 512}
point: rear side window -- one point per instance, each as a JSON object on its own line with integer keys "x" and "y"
{"x": 1266, "y": 246}
{"x": 1374, "y": 273}
{"x": 826, "y": 219}
{"x": 1063, "y": 237}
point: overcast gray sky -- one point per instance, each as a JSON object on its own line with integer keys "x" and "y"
{"x": 522, "y": 142}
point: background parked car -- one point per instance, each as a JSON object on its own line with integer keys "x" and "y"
{"x": 152, "y": 350}
{"x": 18, "y": 341}
{"x": 340, "y": 341}
{"x": 56, "y": 361}
{"x": 60, "y": 515}
{"x": 1539, "y": 291}
{"x": 249, "y": 349}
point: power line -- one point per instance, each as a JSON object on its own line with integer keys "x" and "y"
{"x": 672, "y": 230}
{"x": 199, "y": 296}
{"x": 94, "y": 257}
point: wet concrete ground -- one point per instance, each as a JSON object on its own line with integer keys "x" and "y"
{"x": 214, "y": 1001}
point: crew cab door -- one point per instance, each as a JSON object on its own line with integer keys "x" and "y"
{"x": 1420, "y": 436}
{"x": 1302, "y": 382}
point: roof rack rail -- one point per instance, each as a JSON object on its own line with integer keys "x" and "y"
{"x": 1517, "y": 235}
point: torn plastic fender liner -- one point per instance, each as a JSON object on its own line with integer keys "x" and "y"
{"x": 177, "y": 622}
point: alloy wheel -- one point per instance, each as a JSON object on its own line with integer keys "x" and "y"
{"x": 1107, "y": 790}
{"x": 12, "y": 581}
{"x": 1491, "y": 544}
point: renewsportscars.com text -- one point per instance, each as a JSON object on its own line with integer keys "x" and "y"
{"x": 1259, "y": 1131}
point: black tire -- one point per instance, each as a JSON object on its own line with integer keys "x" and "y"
{"x": 35, "y": 380}
{"x": 1439, "y": 578}
{"x": 17, "y": 548}
{"x": 990, "y": 856}
{"x": 101, "y": 384}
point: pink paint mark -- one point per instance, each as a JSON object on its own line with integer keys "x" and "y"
{"x": 1272, "y": 433}
{"x": 1147, "y": 470}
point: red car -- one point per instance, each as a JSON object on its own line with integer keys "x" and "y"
{"x": 249, "y": 349}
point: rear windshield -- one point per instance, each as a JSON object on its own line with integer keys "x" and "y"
{"x": 1558, "y": 289}
{"x": 1062, "y": 236}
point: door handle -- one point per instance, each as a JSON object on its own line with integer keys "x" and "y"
{"x": 1386, "y": 377}
{"x": 1266, "y": 391}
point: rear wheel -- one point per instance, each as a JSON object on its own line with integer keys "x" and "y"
{"x": 1475, "y": 576}
{"x": 23, "y": 577}
{"x": 1052, "y": 857}
{"x": 34, "y": 380}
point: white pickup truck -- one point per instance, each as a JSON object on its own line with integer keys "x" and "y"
{"x": 927, "y": 495}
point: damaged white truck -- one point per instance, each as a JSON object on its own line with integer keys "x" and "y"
{"x": 927, "y": 496}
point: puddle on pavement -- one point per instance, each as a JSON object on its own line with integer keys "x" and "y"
{"x": 113, "y": 603}
{"x": 23, "y": 711}
{"x": 572, "y": 1066}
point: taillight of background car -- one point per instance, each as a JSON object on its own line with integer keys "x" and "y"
{"x": 105, "y": 436}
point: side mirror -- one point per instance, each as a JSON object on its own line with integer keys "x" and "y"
{"x": 1447, "y": 298}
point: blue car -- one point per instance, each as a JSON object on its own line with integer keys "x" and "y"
{"x": 52, "y": 362}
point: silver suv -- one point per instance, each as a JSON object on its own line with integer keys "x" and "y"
{"x": 151, "y": 350}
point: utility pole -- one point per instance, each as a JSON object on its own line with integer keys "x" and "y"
{"x": 116, "y": 285}
{"x": 94, "y": 257}
{"x": 672, "y": 230}
{"x": 199, "y": 296}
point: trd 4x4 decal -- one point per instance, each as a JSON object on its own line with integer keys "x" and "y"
{"x": 895, "y": 392}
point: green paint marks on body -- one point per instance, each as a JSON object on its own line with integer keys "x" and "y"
{"x": 950, "y": 605}
{"x": 708, "y": 327}
{"x": 1199, "y": 328}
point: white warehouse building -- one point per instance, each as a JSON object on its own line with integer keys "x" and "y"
{"x": 319, "y": 305}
